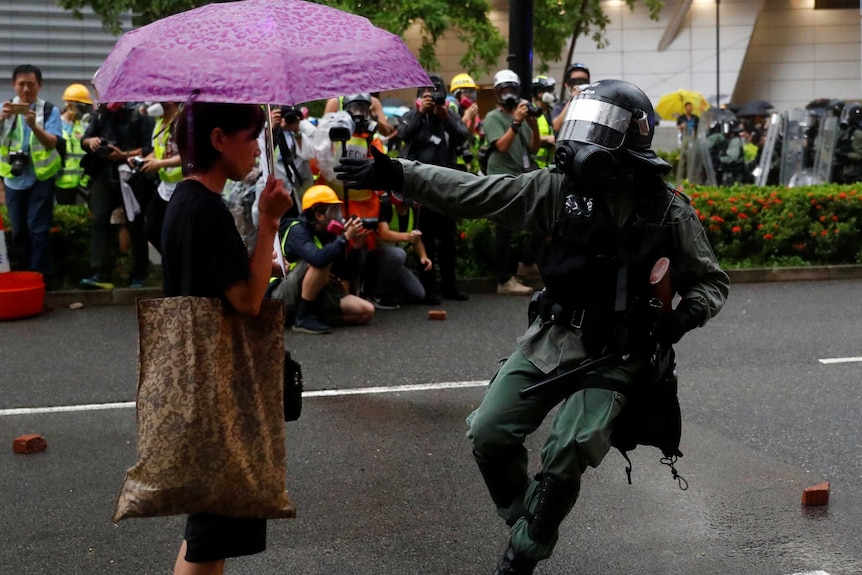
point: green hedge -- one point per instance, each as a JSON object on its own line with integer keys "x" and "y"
{"x": 752, "y": 226}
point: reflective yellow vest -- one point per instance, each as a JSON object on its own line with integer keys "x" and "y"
{"x": 71, "y": 174}
{"x": 161, "y": 136}
{"x": 46, "y": 163}
{"x": 545, "y": 154}
{"x": 317, "y": 242}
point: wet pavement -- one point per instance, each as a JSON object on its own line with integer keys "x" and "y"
{"x": 384, "y": 482}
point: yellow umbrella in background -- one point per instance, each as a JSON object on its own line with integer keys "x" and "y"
{"x": 672, "y": 105}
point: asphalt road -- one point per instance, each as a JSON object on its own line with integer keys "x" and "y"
{"x": 385, "y": 484}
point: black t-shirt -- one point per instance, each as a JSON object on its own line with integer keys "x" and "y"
{"x": 219, "y": 257}
{"x": 386, "y": 216}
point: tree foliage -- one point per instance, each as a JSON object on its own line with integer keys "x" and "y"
{"x": 554, "y": 23}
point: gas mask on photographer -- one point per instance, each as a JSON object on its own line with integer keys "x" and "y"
{"x": 335, "y": 225}
{"x": 509, "y": 99}
{"x": 608, "y": 127}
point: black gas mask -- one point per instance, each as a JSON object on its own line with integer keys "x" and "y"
{"x": 508, "y": 97}
{"x": 585, "y": 162}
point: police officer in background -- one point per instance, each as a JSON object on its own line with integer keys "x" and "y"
{"x": 610, "y": 217}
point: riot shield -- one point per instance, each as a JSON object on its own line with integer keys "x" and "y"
{"x": 824, "y": 156}
{"x": 795, "y": 148}
{"x": 773, "y": 130}
{"x": 700, "y": 167}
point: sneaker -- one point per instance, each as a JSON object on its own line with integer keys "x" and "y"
{"x": 95, "y": 282}
{"x": 310, "y": 325}
{"x": 384, "y": 302}
{"x": 528, "y": 272}
{"x": 513, "y": 287}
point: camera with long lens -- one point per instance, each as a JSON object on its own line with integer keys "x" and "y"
{"x": 290, "y": 114}
{"x": 533, "y": 110}
{"x": 369, "y": 223}
{"x": 18, "y": 161}
{"x": 439, "y": 98}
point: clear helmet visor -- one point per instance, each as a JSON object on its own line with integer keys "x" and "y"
{"x": 591, "y": 121}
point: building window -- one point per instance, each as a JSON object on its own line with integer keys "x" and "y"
{"x": 835, "y": 4}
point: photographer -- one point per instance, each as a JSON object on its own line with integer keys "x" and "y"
{"x": 116, "y": 134}
{"x": 290, "y": 167}
{"x": 31, "y": 143}
{"x": 433, "y": 134}
{"x": 513, "y": 136}
{"x": 311, "y": 244}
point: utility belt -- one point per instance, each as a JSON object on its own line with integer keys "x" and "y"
{"x": 588, "y": 320}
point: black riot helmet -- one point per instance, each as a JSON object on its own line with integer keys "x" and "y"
{"x": 851, "y": 116}
{"x": 607, "y": 118}
{"x": 731, "y": 126}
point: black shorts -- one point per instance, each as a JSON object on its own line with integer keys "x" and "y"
{"x": 214, "y": 537}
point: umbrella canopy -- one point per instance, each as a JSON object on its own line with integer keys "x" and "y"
{"x": 755, "y": 108}
{"x": 256, "y": 51}
{"x": 672, "y": 105}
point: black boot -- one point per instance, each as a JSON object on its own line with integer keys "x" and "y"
{"x": 513, "y": 563}
{"x": 307, "y": 321}
{"x": 550, "y": 510}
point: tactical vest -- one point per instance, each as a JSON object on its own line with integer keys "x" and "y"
{"x": 46, "y": 163}
{"x": 71, "y": 174}
{"x": 590, "y": 264}
{"x": 161, "y": 136}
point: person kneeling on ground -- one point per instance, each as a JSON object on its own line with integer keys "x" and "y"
{"x": 312, "y": 243}
{"x": 390, "y": 280}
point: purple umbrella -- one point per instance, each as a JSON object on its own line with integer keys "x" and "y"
{"x": 256, "y": 51}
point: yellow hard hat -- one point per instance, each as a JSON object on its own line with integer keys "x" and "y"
{"x": 77, "y": 93}
{"x": 462, "y": 81}
{"x": 319, "y": 195}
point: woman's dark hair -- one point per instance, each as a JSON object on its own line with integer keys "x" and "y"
{"x": 201, "y": 118}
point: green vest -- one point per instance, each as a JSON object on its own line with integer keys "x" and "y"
{"x": 70, "y": 176}
{"x": 395, "y": 222}
{"x": 46, "y": 163}
{"x": 161, "y": 135}
{"x": 317, "y": 242}
{"x": 544, "y": 156}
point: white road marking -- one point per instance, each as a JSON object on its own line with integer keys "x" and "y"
{"x": 840, "y": 360}
{"x": 319, "y": 393}
{"x": 812, "y": 573}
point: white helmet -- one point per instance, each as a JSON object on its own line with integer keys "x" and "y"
{"x": 506, "y": 77}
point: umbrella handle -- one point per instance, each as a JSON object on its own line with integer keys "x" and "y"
{"x": 269, "y": 142}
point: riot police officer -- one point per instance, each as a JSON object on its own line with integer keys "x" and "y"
{"x": 610, "y": 216}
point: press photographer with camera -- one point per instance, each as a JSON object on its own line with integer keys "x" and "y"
{"x": 117, "y": 133}
{"x": 312, "y": 244}
{"x": 513, "y": 138}
{"x": 31, "y": 144}
{"x": 433, "y": 133}
{"x": 294, "y": 170}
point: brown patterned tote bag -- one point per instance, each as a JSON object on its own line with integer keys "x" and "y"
{"x": 211, "y": 433}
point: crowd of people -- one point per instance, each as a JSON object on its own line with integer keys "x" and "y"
{"x": 335, "y": 228}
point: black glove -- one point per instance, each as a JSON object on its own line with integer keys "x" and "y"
{"x": 381, "y": 173}
{"x": 669, "y": 328}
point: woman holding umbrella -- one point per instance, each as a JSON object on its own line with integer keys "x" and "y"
{"x": 218, "y": 142}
